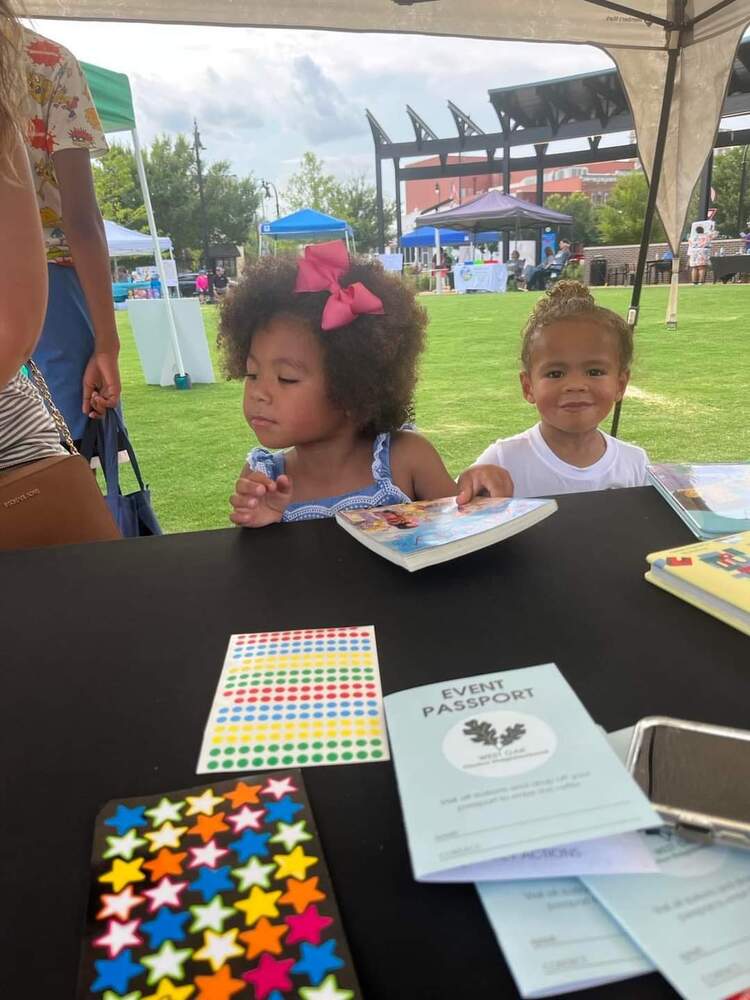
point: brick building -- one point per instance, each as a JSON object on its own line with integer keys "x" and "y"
{"x": 594, "y": 179}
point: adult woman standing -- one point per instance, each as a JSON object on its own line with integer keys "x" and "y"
{"x": 699, "y": 251}
{"x": 27, "y": 432}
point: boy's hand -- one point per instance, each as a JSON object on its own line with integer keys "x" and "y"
{"x": 258, "y": 500}
{"x": 101, "y": 384}
{"x": 484, "y": 480}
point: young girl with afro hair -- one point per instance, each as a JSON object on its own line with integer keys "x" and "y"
{"x": 328, "y": 348}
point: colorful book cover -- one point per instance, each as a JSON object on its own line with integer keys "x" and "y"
{"x": 712, "y": 499}
{"x": 298, "y": 698}
{"x": 491, "y": 765}
{"x": 712, "y": 575}
{"x": 428, "y": 531}
{"x": 213, "y": 892}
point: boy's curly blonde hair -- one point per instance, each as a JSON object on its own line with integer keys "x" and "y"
{"x": 572, "y": 300}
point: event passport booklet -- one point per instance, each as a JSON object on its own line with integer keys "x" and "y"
{"x": 502, "y": 763}
{"x": 713, "y": 576}
{"x": 424, "y": 532}
{"x": 712, "y": 499}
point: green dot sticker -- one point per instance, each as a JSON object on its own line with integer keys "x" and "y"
{"x": 361, "y": 755}
{"x": 259, "y": 748}
{"x": 347, "y": 755}
{"x": 287, "y": 759}
{"x": 332, "y": 756}
{"x": 317, "y": 745}
{"x": 317, "y": 757}
{"x": 302, "y": 758}
{"x": 242, "y": 762}
{"x": 257, "y": 762}
{"x": 212, "y": 764}
{"x": 215, "y": 752}
{"x": 272, "y": 761}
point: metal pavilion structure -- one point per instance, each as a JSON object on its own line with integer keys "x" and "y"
{"x": 582, "y": 108}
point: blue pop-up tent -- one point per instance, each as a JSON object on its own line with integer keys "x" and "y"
{"x": 307, "y": 224}
{"x": 424, "y": 236}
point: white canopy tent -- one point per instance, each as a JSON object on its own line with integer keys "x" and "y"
{"x": 674, "y": 57}
{"x": 123, "y": 242}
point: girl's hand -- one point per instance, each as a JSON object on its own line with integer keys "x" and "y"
{"x": 258, "y": 500}
{"x": 484, "y": 480}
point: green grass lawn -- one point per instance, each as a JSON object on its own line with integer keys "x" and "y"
{"x": 689, "y": 400}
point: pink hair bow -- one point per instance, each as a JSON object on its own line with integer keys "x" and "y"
{"x": 320, "y": 270}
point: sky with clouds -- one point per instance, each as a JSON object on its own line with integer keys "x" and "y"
{"x": 264, "y": 97}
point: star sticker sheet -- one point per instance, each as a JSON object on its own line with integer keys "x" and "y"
{"x": 305, "y": 697}
{"x": 214, "y": 893}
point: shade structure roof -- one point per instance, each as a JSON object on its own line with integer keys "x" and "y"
{"x": 124, "y": 242}
{"x": 497, "y": 211}
{"x": 307, "y": 222}
{"x": 424, "y": 236}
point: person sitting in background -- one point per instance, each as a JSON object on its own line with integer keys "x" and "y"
{"x": 515, "y": 269}
{"x": 552, "y": 266}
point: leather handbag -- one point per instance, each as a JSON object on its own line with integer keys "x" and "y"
{"x": 55, "y": 500}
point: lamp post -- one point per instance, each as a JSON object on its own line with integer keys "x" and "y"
{"x": 267, "y": 186}
{"x": 198, "y": 146}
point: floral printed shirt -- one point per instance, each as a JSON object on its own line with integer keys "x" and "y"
{"x": 60, "y": 115}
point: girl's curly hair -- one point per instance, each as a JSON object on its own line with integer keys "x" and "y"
{"x": 572, "y": 300}
{"x": 370, "y": 365}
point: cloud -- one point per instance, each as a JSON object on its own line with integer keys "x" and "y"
{"x": 320, "y": 106}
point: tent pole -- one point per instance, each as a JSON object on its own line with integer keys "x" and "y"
{"x": 648, "y": 219}
{"x": 379, "y": 200}
{"x": 159, "y": 260}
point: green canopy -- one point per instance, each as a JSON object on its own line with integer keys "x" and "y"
{"x": 112, "y": 98}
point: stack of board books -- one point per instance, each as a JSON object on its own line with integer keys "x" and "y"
{"x": 712, "y": 499}
{"x": 712, "y": 575}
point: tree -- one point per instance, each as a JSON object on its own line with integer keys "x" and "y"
{"x": 231, "y": 203}
{"x": 356, "y": 201}
{"x": 727, "y": 174}
{"x": 353, "y": 200}
{"x": 580, "y": 206}
{"x": 621, "y": 218}
{"x": 310, "y": 186}
{"x": 117, "y": 190}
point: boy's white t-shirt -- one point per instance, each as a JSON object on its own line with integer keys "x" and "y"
{"x": 538, "y": 472}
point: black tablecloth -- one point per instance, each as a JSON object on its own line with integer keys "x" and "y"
{"x": 111, "y": 654}
{"x": 725, "y": 267}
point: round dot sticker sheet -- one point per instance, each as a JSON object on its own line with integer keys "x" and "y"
{"x": 301, "y": 698}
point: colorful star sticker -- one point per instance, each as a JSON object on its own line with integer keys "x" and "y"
{"x": 328, "y": 990}
{"x": 307, "y": 926}
{"x": 206, "y": 827}
{"x": 210, "y": 854}
{"x": 253, "y": 873}
{"x": 282, "y": 811}
{"x": 124, "y": 847}
{"x": 279, "y": 787}
{"x": 292, "y": 835}
{"x": 119, "y": 936}
{"x": 123, "y": 872}
{"x": 115, "y": 973}
{"x": 243, "y": 794}
{"x": 316, "y": 961}
{"x": 270, "y": 974}
{"x": 206, "y": 802}
{"x": 111, "y": 995}
{"x": 166, "y": 836}
{"x": 265, "y": 936}
{"x": 166, "y": 811}
{"x": 167, "y": 961}
{"x": 246, "y": 818}
{"x": 165, "y": 926}
{"x": 119, "y": 905}
{"x": 166, "y": 893}
{"x": 210, "y": 917}
{"x": 165, "y": 863}
{"x": 249, "y": 844}
{"x": 294, "y": 864}
{"x": 301, "y": 894}
{"x": 218, "y": 948}
{"x": 125, "y": 819}
{"x": 220, "y": 986}
{"x": 167, "y": 990}
{"x": 258, "y": 904}
{"x": 212, "y": 880}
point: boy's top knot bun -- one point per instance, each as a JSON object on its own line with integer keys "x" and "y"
{"x": 568, "y": 291}
{"x": 568, "y": 300}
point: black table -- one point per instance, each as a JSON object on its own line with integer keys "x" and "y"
{"x": 726, "y": 267}
{"x": 111, "y": 654}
